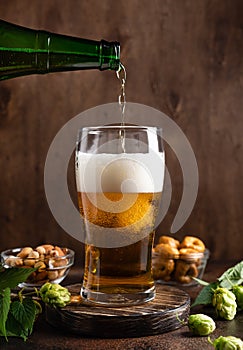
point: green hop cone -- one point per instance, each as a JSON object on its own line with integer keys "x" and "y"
{"x": 54, "y": 295}
{"x": 201, "y": 324}
{"x": 238, "y": 292}
{"x": 224, "y": 302}
{"x": 228, "y": 343}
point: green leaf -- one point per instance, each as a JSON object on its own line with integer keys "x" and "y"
{"x": 4, "y": 309}
{"x": 231, "y": 277}
{"x": 13, "y": 276}
{"x": 14, "y": 328}
{"x": 16, "y": 318}
{"x": 205, "y": 295}
{"x": 24, "y": 312}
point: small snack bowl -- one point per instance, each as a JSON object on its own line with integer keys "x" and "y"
{"x": 52, "y": 263}
{"x": 178, "y": 263}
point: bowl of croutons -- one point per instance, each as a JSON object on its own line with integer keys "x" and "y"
{"x": 51, "y": 263}
{"x": 181, "y": 263}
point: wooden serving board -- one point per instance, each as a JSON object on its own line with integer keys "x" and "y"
{"x": 155, "y": 317}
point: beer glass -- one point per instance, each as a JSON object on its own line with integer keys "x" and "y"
{"x": 119, "y": 178}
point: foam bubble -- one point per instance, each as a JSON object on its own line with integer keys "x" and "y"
{"x": 125, "y": 172}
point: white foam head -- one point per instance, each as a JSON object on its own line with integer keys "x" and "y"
{"x": 125, "y": 172}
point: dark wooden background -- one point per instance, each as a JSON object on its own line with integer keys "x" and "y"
{"x": 182, "y": 57}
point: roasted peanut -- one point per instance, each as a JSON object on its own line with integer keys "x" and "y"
{"x": 52, "y": 275}
{"x": 33, "y": 254}
{"x": 40, "y": 265}
{"x": 54, "y": 253}
{"x": 60, "y": 251}
{"x": 60, "y": 262}
{"x": 29, "y": 262}
{"x": 44, "y": 258}
{"x": 18, "y": 262}
{"x": 41, "y": 250}
{"x": 40, "y": 276}
{"x": 11, "y": 260}
{"x": 24, "y": 252}
{"x": 48, "y": 247}
{"x": 14, "y": 261}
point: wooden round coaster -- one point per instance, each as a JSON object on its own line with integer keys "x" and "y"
{"x": 155, "y": 317}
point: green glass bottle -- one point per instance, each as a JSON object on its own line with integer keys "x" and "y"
{"x": 26, "y": 51}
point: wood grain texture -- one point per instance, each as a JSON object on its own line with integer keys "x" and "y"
{"x": 158, "y": 316}
{"x": 182, "y": 57}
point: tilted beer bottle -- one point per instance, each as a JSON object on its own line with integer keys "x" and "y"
{"x": 26, "y": 51}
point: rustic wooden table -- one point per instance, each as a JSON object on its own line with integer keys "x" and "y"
{"x": 45, "y": 337}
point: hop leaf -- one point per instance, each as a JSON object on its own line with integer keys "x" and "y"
{"x": 10, "y": 278}
{"x": 205, "y": 295}
{"x": 4, "y": 309}
{"x": 232, "y": 276}
{"x": 24, "y": 312}
{"x": 238, "y": 292}
{"x": 16, "y": 318}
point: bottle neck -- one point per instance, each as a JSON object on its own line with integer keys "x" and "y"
{"x": 109, "y": 55}
{"x": 26, "y": 51}
{"x": 71, "y": 53}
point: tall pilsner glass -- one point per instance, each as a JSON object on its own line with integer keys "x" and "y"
{"x": 119, "y": 177}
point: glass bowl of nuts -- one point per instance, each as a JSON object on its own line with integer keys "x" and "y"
{"x": 52, "y": 263}
{"x": 178, "y": 263}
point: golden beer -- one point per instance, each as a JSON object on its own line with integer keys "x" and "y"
{"x": 125, "y": 269}
{"x": 119, "y": 184}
